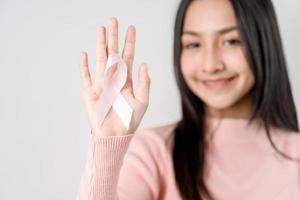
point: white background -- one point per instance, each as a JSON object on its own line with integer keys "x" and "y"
{"x": 43, "y": 126}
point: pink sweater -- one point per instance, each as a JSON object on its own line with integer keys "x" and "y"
{"x": 243, "y": 164}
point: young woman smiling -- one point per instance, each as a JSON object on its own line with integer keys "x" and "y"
{"x": 238, "y": 137}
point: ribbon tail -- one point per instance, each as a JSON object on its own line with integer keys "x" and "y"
{"x": 123, "y": 110}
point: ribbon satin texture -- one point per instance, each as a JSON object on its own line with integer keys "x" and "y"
{"x": 111, "y": 92}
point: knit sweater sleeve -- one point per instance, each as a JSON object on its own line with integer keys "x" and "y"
{"x": 118, "y": 168}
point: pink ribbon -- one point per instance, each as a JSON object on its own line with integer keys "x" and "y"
{"x": 111, "y": 94}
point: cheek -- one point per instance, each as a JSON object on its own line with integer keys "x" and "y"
{"x": 187, "y": 64}
{"x": 235, "y": 60}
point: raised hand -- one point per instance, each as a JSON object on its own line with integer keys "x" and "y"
{"x": 112, "y": 124}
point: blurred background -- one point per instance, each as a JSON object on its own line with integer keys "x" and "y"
{"x": 43, "y": 126}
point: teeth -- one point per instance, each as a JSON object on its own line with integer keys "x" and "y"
{"x": 223, "y": 80}
{"x": 220, "y": 80}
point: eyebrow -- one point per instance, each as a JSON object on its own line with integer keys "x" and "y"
{"x": 220, "y": 32}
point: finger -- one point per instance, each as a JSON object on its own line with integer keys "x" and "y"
{"x": 101, "y": 55}
{"x": 113, "y": 36}
{"x": 143, "y": 85}
{"x": 84, "y": 70}
{"x": 129, "y": 47}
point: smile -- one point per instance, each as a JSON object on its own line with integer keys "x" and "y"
{"x": 218, "y": 84}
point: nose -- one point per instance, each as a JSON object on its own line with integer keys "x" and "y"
{"x": 211, "y": 61}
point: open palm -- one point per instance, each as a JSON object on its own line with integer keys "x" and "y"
{"x": 112, "y": 124}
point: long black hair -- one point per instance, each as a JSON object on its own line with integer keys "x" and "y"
{"x": 273, "y": 102}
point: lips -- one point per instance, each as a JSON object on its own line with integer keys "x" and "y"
{"x": 218, "y": 84}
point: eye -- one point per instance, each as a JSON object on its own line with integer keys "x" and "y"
{"x": 192, "y": 45}
{"x": 232, "y": 42}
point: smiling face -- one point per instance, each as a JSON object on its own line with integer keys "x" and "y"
{"x": 213, "y": 61}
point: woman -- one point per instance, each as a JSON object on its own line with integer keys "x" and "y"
{"x": 238, "y": 137}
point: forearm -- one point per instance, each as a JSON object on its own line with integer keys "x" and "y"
{"x": 101, "y": 174}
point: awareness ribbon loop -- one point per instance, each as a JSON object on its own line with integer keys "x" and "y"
{"x": 111, "y": 92}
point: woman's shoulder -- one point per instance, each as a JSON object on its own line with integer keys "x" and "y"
{"x": 163, "y": 132}
{"x": 288, "y": 136}
{"x": 288, "y": 140}
{"x": 157, "y": 137}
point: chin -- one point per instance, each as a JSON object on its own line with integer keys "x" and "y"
{"x": 218, "y": 104}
